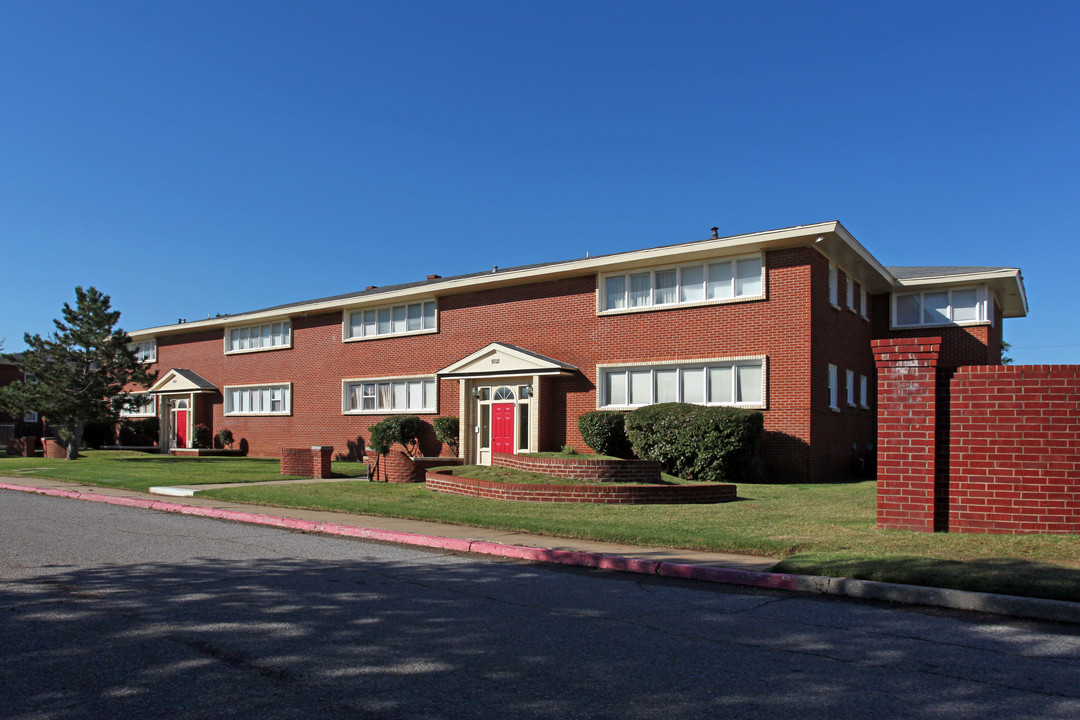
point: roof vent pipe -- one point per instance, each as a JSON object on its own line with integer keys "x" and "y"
{"x": 716, "y": 232}
{"x": 495, "y": 269}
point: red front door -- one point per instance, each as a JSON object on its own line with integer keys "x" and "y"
{"x": 181, "y": 428}
{"x": 502, "y": 427}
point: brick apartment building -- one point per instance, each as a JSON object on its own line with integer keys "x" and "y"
{"x": 778, "y": 321}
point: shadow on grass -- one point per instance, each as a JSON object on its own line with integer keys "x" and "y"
{"x": 1010, "y": 576}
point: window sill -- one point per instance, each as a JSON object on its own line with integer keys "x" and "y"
{"x": 389, "y": 335}
{"x": 259, "y": 414}
{"x": 257, "y": 350}
{"x": 390, "y": 412}
{"x": 681, "y": 306}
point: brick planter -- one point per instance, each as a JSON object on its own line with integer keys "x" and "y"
{"x": 600, "y": 494}
{"x": 53, "y": 449}
{"x": 22, "y": 447}
{"x": 398, "y": 467}
{"x": 585, "y": 468}
{"x": 312, "y": 462}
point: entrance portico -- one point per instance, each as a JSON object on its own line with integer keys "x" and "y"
{"x": 502, "y": 389}
{"x": 181, "y": 396}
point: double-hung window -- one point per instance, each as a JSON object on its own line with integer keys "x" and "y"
{"x": 849, "y": 385}
{"x": 706, "y": 382}
{"x": 940, "y": 307}
{"x": 251, "y": 338}
{"x": 406, "y": 319}
{"x": 275, "y": 399}
{"x": 717, "y": 281}
{"x": 390, "y": 395}
{"x": 834, "y": 391}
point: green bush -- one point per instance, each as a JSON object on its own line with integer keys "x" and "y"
{"x": 447, "y": 431}
{"x": 201, "y": 437}
{"x": 605, "y": 432}
{"x": 715, "y": 444}
{"x": 225, "y": 438}
{"x": 402, "y": 429}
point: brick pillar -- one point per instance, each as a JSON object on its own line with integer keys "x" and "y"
{"x": 907, "y": 432}
{"x": 320, "y": 460}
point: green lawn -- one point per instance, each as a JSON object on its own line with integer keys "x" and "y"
{"x": 139, "y": 471}
{"x": 823, "y": 529}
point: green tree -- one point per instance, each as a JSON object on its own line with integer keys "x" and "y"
{"x": 79, "y": 371}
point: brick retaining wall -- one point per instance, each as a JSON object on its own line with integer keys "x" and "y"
{"x": 584, "y": 468}
{"x": 601, "y": 494}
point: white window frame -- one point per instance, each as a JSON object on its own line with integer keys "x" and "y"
{"x": 983, "y": 306}
{"x": 760, "y": 361}
{"x": 145, "y": 350}
{"x": 864, "y": 301}
{"x": 30, "y": 417}
{"x": 391, "y": 312}
{"x": 863, "y": 392}
{"x": 429, "y": 389}
{"x": 849, "y": 286}
{"x": 145, "y": 411}
{"x": 286, "y": 399}
{"x": 245, "y": 336}
{"x": 834, "y": 391}
{"x": 679, "y": 290}
{"x": 834, "y": 285}
{"x": 849, "y": 379}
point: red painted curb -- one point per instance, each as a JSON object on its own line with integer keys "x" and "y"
{"x": 728, "y": 576}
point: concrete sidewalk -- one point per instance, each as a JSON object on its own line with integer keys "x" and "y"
{"x": 726, "y": 568}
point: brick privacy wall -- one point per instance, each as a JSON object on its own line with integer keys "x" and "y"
{"x": 611, "y": 471}
{"x": 600, "y": 494}
{"x": 1014, "y": 449}
{"x": 397, "y": 467}
{"x": 554, "y": 318}
{"x": 840, "y": 336}
{"x": 313, "y": 462}
{"x": 907, "y": 422}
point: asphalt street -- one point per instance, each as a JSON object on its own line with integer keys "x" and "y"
{"x": 114, "y": 612}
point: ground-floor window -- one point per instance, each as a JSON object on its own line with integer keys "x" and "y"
{"x": 713, "y": 382}
{"x": 143, "y": 405}
{"x": 388, "y": 395}
{"x": 259, "y": 399}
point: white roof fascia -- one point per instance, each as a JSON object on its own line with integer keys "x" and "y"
{"x": 1007, "y": 282}
{"x": 834, "y": 236}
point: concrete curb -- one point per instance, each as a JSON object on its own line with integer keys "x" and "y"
{"x": 1036, "y": 608}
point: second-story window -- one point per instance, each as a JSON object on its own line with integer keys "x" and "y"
{"x": 417, "y": 317}
{"x": 717, "y": 281}
{"x": 267, "y": 336}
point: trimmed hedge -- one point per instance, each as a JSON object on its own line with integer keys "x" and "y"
{"x": 605, "y": 432}
{"x": 710, "y": 444}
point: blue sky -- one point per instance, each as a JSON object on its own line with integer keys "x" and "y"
{"x": 190, "y": 158}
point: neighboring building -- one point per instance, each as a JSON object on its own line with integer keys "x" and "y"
{"x": 16, "y": 426}
{"x": 778, "y": 321}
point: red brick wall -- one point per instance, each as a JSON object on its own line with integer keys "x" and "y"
{"x": 983, "y": 449}
{"x": 1014, "y": 449}
{"x": 313, "y": 462}
{"x": 840, "y": 438}
{"x": 613, "y": 471}
{"x": 558, "y": 319}
{"x": 605, "y": 494}
{"x": 960, "y": 345}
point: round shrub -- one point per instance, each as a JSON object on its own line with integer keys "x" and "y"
{"x": 402, "y": 429}
{"x": 446, "y": 431}
{"x": 605, "y": 432}
{"x": 712, "y": 444}
{"x": 200, "y": 436}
